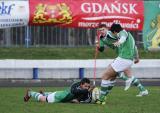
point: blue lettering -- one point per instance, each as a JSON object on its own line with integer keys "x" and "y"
{"x": 5, "y": 10}
{"x": 10, "y": 8}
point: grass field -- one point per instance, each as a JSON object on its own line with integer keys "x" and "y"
{"x": 65, "y": 53}
{"x": 118, "y": 101}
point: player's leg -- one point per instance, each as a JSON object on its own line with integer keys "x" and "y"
{"x": 36, "y": 95}
{"x": 119, "y": 65}
{"x": 44, "y": 93}
{"x": 49, "y": 97}
{"x": 135, "y": 81}
{"x": 107, "y": 83}
{"x": 122, "y": 76}
{"x": 123, "y": 65}
{"x": 129, "y": 78}
{"x": 55, "y": 97}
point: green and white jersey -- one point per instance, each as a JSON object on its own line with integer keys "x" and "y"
{"x": 63, "y": 96}
{"x": 108, "y": 40}
{"x": 126, "y": 50}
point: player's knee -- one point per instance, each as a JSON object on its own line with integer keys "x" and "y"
{"x": 42, "y": 99}
{"x": 106, "y": 76}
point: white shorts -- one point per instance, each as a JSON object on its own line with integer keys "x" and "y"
{"x": 51, "y": 97}
{"x": 121, "y": 64}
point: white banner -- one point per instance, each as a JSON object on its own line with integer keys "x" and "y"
{"x": 14, "y": 13}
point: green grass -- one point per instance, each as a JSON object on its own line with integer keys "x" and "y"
{"x": 64, "y": 53}
{"x": 118, "y": 101}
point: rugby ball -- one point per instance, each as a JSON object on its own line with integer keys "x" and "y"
{"x": 95, "y": 94}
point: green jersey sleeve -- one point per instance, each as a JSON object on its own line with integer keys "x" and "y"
{"x": 123, "y": 34}
{"x": 101, "y": 45}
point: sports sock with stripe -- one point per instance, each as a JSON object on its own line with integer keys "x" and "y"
{"x": 137, "y": 83}
{"x": 106, "y": 87}
{"x": 35, "y": 95}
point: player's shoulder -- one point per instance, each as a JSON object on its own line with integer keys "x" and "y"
{"x": 75, "y": 84}
{"x": 123, "y": 33}
{"x": 110, "y": 35}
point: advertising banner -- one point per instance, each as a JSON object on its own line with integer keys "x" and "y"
{"x": 14, "y": 13}
{"x": 151, "y": 31}
{"x": 87, "y": 13}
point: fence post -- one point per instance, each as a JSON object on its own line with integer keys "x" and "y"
{"x": 27, "y": 37}
{"x": 81, "y": 73}
{"x": 35, "y": 73}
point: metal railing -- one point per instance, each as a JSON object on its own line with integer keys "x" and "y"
{"x": 49, "y": 36}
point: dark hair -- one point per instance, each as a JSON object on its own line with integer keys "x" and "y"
{"x": 102, "y": 25}
{"x": 116, "y": 28}
{"x": 85, "y": 80}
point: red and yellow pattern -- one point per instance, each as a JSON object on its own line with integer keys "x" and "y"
{"x": 59, "y": 13}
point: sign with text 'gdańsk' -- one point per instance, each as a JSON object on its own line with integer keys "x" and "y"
{"x": 14, "y": 13}
{"x": 87, "y": 13}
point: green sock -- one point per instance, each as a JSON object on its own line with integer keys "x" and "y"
{"x": 137, "y": 83}
{"x": 34, "y": 95}
{"x": 106, "y": 87}
{"x": 106, "y": 90}
{"x": 123, "y": 77}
